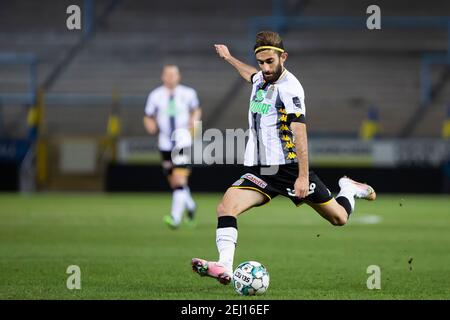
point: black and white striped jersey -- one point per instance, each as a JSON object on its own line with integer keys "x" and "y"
{"x": 273, "y": 106}
{"x": 172, "y": 112}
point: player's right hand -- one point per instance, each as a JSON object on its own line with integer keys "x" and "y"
{"x": 301, "y": 187}
{"x": 222, "y": 51}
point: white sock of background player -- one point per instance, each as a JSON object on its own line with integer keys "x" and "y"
{"x": 178, "y": 204}
{"x": 190, "y": 203}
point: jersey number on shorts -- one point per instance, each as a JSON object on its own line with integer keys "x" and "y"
{"x": 312, "y": 187}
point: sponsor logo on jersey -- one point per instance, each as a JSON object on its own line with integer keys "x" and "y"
{"x": 291, "y": 155}
{"x": 237, "y": 183}
{"x": 297, "y": 102}
{"x": 258, "y": 181}
{"x": 259, "y": 95}
{"x": 257, "y": 105}
{"x": 289, "y": 145}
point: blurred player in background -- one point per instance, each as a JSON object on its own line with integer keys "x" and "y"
{"x": 278, "y": 140}
{"x": 172, "y": 110}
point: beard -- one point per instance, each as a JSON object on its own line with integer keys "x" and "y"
{"x": 272, "y": 77}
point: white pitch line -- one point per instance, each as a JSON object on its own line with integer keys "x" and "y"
{"x": 365, "y": 219}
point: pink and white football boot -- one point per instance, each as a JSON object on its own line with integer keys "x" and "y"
{"x": 211, "y": 269}
{"x": 362, "y": 190}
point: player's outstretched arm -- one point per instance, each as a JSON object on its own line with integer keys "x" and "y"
{"x": 301, "y": 186}
{"x": 245, "y": 70}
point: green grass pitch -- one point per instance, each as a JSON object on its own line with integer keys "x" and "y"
{"x": 126, "y": 252}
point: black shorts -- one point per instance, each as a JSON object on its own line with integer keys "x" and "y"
{"x": 169, "y": 163}
{"x": 282, "y": 183}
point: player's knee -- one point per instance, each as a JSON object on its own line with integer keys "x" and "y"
{"x": 339, "y": 220}
{"x": 177, "y": 180}
{"x": 221, "y": 209}
{"x": 174, "y": 184}
{"x": 226, "y": 210}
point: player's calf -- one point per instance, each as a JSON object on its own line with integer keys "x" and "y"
{"x": 333, "y": 212}
{"x": 339, "y": 219}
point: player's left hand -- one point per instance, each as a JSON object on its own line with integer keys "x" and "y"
{"x": 301, "y": 187}
{"x": 192, "y": 128}
{"x": 222, "y": 51}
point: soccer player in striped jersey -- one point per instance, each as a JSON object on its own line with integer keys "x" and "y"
{"x": 172, "y": 109}
{"x": 276, "y": 155}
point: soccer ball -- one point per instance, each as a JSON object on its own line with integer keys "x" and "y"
{"x": 250, "y": 278}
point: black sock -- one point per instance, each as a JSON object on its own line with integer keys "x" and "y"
{"x": 191, "y": 214}
{"x": 343, "y": 201}
{"x": 226, "y": 222}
